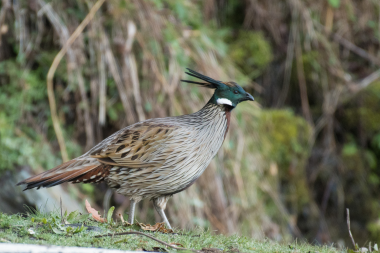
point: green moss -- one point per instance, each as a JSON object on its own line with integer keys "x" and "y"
{"x": 366, "y": 109}
{"x": 284, "y": 143}
{"x": 252, "y": 52}
{"x": 284, "y": 135}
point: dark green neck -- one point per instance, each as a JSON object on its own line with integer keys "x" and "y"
{"x": 212, "y": 100}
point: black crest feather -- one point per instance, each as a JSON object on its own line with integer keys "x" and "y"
{"x": 210, "y": 83}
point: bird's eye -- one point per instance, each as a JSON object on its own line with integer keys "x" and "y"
{"x": 236, "y": 92}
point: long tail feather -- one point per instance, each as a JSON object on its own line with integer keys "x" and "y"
{"x": 76, "y": 171}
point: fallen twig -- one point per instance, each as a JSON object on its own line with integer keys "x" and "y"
{"x": 349, "y": 228}
{"x": 149, "y": 236}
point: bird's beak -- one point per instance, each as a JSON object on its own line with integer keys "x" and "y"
{"x": 249, "y": 97}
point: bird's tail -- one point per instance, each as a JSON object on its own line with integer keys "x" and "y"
{"x": 86, "y": 170}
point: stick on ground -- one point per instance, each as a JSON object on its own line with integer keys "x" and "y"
{"x": 149, "y": 236}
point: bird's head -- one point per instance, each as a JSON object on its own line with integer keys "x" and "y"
{"x": 226, "y": 93}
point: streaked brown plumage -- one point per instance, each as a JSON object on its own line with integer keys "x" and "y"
{"x": 155, "y": 158}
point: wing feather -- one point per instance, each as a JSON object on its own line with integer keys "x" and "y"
{"x": 136, "y": 146}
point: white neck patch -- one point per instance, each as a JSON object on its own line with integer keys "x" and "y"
{"x": 223, "y": 101}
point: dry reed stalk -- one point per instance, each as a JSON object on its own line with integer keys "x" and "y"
{"x": 289, "y": 59}
{"x": 350, "y": 46}
{"x": 329, "y": 18}
{"x": 136, "y": 86}
{"x": 101, "y": 58}
{"x": 112, "y": 66}
{"x": 349, "y": 228}
{"x": 6, "y": 5}
{"x": 302, "y": 82}
{"x": 37, "y": 41}
{"x": 130, "y": 66}
{"x": 265, "y": 186}
{"x": 93, "y": 77}
{"x": 52, "y": 70}
{"x": 337, "y": 96}
{"x": 237, "y": 167}
{"x": 90, "y": 141}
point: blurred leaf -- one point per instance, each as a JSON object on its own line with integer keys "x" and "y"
{"x": 72, "y": 216}
{"x": 349, "y": 149}
{"x": 371, "y": 159}
{"x": 252, "y": 52}
{"x": 148, "y": 107}
{"x": 80, "y": 229}
{"x": 57, "y": 230}
{"x": 376, "y": 141}
{"x": 109, "y": 214}
{"x": 374, "y": 179}
{"x": 334, "y": 3}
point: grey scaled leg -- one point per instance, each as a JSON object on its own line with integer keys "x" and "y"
{"x": 131, "y": 214}
{"x": 160, "y": 205}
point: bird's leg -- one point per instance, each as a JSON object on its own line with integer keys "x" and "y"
{"x": 160, "y": 205}
{"x": 131, "y": 214}
{"x": 163, "y": 216}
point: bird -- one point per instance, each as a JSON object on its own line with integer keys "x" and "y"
{"x": 158, "y": 157}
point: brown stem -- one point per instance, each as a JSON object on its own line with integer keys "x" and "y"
{"x": 50, "y": 75}
{"x": 302, "y": 82}
{"x": 6, "y": 4}
{"x": 349, "y": 228}
{"x": 112, "y": 66}
{"x": 289, "y": 59}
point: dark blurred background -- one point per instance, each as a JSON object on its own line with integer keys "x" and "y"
{"x": 308, "y": 148}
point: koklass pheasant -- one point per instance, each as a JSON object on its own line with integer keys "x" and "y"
{"x": 155, "y": 158}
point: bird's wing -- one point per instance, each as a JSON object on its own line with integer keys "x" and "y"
{"x": 138, "y": 146}
{"x": 143, "y": 145}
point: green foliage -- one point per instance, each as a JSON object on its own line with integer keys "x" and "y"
{"x": 23, "y": 105}
{"x": 334, "y": 3}
{"x": 349, "y": 149}
{"x": 19, "y": 143}
{"x": 311, "y": 63}
{"x": 284, "y": 136}
{"x": 374, "y": 228}
{"x": 252, "y": 52}
{"x": 109, "y": 215}
{"x": 54, "y": 222}
{"x": 284, "y": 142}
{"x": 376, "y": 141}
{"x": 368, "y": 111}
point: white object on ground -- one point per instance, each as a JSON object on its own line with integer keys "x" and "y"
{"x": 30, "y": 248}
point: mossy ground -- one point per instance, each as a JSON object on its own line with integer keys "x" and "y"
{"x": 42, "y": 229}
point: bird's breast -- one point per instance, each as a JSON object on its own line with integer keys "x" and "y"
{"x": 203, "y": 144}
